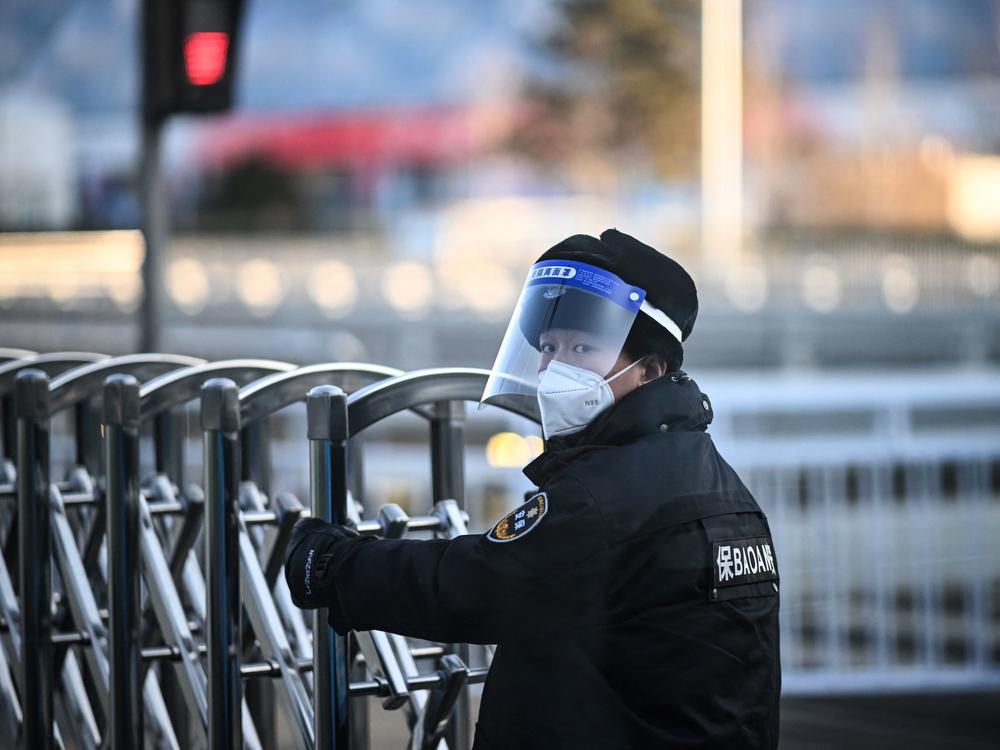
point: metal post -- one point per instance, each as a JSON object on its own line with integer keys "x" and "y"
{"x": 448, "y": 452}
{"x": 8, "y": 460}
{"x": 327, "y": 429}
{"x": 448, "y": 483}
{"x": 169, "y": 434}
{"x": 256, "y": 467}
{"x": 220, "y": 421}
{"x": 255, "y": 445}
{"x": 86, "y": 427}
{"x": 8, "y": 431}
{"x": 356, "y": 473}
{"x": 87, "y": 434}
{"x": 37, "y": 664}
{"x": 121, "y": 442}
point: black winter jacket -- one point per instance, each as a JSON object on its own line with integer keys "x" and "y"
{"x": 635, "y": 607}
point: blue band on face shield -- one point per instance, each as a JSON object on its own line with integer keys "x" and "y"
{"x": 560, "y": 274}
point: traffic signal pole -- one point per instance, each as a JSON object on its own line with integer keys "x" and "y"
{"x": 189, "y": 50}
{"x": 154, "y": 229}
{"x": 152, "y": 201}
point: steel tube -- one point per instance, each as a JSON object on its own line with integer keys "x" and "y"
{"x": 274, "y": 392}
{"x": 380, "y": 688}
{"x": 180, "y": 386}
{"x": 289, "y": 509}
{"x": 171, "y": 619}
{"x": 274, "y": 646}
{"x": 168, "y": 444}
{"x": 86, "y": 433}
{"x": 375, "y": 402}
{"x": 79, "y": 599}
{"x": 37, "y": 654}
{"x": 220, "y": 421}
{"x": 448, "y": 483}
{"x": 193, "y": 504}
{"x": 121, "y": 442}
{"x": 326, "y": 409}
{"x": 448, "y": 452}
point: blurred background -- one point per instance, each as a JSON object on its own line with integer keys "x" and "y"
{"x": 828, "y": 172}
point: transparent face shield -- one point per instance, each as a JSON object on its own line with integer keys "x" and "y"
{"x": 568, "y": 311}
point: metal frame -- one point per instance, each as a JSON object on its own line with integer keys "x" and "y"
{"x": 220, "y": 421}
{"x": 37, "y": 654}
{"x": 121, "y": 442}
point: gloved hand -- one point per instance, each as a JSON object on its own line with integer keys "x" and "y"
{"x": 309, "y": 559}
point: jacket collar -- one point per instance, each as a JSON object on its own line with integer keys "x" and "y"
{"x": 670, "y": 403}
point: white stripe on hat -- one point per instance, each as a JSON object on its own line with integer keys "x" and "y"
{"x": 662, "y": 318}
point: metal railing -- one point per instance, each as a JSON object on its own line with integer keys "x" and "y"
{"x": 138, "y": 608}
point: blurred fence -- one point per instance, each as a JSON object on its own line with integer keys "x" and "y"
{"x": 883, "y": 494}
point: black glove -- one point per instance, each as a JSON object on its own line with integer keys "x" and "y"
{"x": 309, "y": 559}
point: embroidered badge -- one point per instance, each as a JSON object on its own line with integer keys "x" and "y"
{"x": 520, "y": 521}
{"x": 746, "y": 560}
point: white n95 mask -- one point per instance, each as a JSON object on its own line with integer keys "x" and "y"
{"x": 570, "y": 398}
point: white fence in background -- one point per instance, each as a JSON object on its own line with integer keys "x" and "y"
{"x": 883, "y": 493}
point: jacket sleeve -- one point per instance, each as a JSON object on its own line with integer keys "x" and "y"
{"x": 473, "y": 589}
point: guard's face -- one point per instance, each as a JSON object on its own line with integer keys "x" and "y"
{"x": 578, "y": 348}
{"x": 570, "y": 312}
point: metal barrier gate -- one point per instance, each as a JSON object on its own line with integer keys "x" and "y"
{"x": 144, "y": 608}
{"x": 136, "y": 609}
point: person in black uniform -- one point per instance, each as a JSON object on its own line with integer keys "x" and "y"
{"x": 634, "y": 598}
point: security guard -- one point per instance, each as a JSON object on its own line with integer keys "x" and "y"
{"x": 634, "y": 598}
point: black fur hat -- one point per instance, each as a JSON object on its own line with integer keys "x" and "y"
{"x": 668, "y": 286}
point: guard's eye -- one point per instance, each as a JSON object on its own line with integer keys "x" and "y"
{"x": 548, "y": 349}
{"x": 583, "y": 348}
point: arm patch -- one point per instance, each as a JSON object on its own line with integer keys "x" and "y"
{"x": 521, "y": 520}
{"x": 743, "y": 560}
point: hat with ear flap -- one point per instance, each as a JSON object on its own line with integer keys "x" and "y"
{"x": 671, "y": 297}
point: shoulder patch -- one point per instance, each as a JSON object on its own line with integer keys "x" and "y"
{"x": 521, "y": 520}
{"x": 743, "y": 560}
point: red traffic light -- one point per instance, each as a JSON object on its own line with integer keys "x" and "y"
{"x": 205, "y": 57}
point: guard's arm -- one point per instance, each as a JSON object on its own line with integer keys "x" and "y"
{"x": 475, "y": 588}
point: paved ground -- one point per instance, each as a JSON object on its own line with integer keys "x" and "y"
{"x": 955, "y": 721}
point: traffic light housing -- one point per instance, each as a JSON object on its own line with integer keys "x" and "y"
{"x": 189, "y": 55}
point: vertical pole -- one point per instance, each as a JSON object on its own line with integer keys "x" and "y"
{"x": 121, "y": 443}
{"x": 8, "y": 459}
{"x": 448, "y": 452}
{"x": 326, "y": 409}
{"x": 168, "y": 441}
{"x": 154, "y": 230}
{"x": 220, "y": 422}
{"x": 356, "y": 472}
{"x": 37, "y": 665}
{"x": 256, "y": 467}
{"x": 448, "y": 483}
{"x": 8, "y": 434}
{"x": 256, "y": 451}
{"x": 87, "y": 433}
